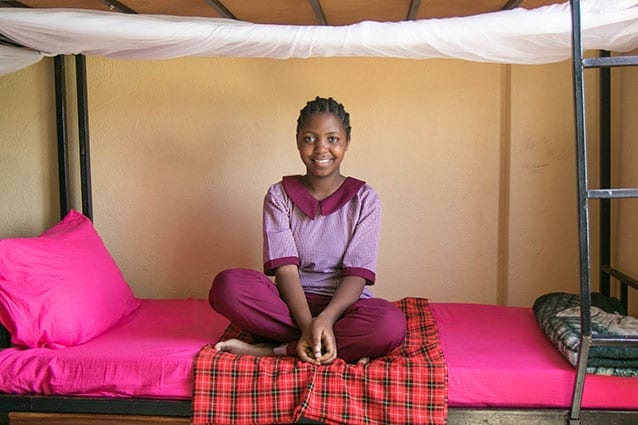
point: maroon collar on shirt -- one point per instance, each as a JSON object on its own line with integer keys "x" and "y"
{"x": 308, "y": 204}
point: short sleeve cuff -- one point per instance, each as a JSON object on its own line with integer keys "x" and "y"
{"x": 366, "y": 274}
{"x": 271, "y": 265}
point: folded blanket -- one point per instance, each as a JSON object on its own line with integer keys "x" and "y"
{"x": 407, "y": 386}
{"x": 558, "y": 314}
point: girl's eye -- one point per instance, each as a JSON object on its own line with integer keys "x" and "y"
{"x": 333, "y": 139}
{"x": 309, "y": 139}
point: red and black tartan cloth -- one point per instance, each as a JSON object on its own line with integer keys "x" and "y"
{"x": 407, "y": 386}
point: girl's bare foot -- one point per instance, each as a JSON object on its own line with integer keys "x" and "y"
{"x": 236, "y": 346}
{"x": 363, "y": 361}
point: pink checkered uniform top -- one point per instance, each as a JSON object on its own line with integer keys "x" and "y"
{"x": 328, "y": 239}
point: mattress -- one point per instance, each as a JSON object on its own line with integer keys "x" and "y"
{"x": 498, "y": 357}
{"x": 149, "y": 355}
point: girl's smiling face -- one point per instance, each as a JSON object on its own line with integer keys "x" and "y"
{"x": 322, "y": 144}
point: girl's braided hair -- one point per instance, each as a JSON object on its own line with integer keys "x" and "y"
{"x": 323, "y": 105}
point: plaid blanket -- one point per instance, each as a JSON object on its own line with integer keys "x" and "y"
{"x": 407, "y": 386}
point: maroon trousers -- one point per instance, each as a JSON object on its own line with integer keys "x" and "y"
{"x": 370, "y": 327}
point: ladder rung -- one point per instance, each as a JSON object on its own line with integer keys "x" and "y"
{"x": 605, "y": 62}
{"x": 612, "y": 193}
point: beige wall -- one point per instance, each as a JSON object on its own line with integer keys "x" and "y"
{"x": 543, "y": 241}
{"x": 474, "y": 164}
{"x": 27, "y": 152}
{"x": 625, "y": 212}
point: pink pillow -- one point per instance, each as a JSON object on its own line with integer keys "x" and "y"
{"x": 62, "y": 288}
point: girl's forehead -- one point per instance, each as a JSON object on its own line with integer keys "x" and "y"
{"x": 323, "y": 119}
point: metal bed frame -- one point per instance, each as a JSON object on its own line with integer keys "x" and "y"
{"x": 585, "y": 194}
{"x": 573, "y": 416}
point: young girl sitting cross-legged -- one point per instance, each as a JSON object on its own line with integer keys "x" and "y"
{"x": 321, "y": 233}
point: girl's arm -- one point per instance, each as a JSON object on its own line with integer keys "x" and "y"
{"x": 290, "y": 290}
{"x": 347, "y": 293}
{"x": 317, "y": 343}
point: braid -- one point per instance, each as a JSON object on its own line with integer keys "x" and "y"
{"x": 322, "y": 105}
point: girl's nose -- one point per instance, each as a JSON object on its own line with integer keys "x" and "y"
{"x": 321, "y": 145}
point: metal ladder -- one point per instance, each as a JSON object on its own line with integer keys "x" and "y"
{"x": 585, "y": 194}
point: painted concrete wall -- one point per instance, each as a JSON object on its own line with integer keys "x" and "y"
{"x": 474, "y": 164}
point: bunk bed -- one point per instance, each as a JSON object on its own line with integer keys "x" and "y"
{"x": 479, "y": 387}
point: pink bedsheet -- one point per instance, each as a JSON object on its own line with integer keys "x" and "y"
{"x": 149, "y": 355}
{"x": 499, "y": 357}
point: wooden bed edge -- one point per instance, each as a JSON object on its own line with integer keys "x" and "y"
{"x": 29, "y": 418}
{"x": 96, "y": 405}
{"x": 32, "y": 418}
{"x": 68, "y": 410}
{"x": 53, "y": 410}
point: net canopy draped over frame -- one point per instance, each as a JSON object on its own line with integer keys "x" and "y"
{"x": 517, "y": 36}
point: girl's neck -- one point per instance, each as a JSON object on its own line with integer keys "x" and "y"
{"x": 322, "y": 187}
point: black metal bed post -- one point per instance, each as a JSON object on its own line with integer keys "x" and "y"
{"x": 83, "y": 124}
{"x": 605, "y": 194}
{"x": 605, "y": 175}
{"x": 60, "y": 112}
{"x": 583, "y": 212}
